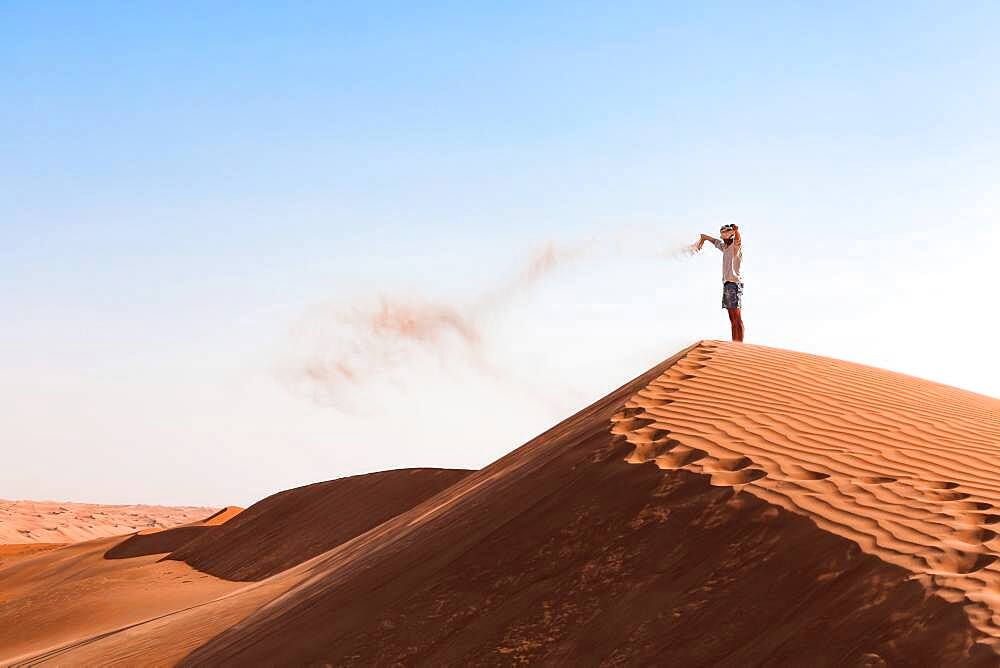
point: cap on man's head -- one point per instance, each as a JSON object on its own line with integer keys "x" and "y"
{"x": 725, "y": 228}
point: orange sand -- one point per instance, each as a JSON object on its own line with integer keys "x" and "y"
{"x": 796, "y": 510}
{"x": 905, "y": 468}
{"x": 12, "y": 553}
{"x": 293, "y": 526}
{"x": 75, "y": 600}
{"x": 64, "y": 522}
{"x": 74, "y": 592}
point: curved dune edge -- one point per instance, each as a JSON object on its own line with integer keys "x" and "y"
{"x": 160, "y": 540}
{"x": 290, "y": 527}
{"x": 903, "y": 467}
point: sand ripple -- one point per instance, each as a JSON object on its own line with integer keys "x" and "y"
{"x": 906, "y": 468}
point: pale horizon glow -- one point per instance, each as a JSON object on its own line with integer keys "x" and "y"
{"x": 189, "y": 193}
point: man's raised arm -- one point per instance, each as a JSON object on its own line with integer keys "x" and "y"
{"x": 703, "y": 239}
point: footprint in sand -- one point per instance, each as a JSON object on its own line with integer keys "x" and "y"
{"x": 947, "y": 496}
{"x": 969, "y": 505}
{"x": 960, "y": 562}
{"x": 679, "y": 457}
{"x": 740, "y": 477}
{"x": 627, "y": 425}
{"x": 976, "y": 536}
{"x": 647, "y": 452}
{"x": 734, "y": 463}
{"x": 874, "y": 480}
{"x": 795, "y": 472}
{"x": 936, "y": 484}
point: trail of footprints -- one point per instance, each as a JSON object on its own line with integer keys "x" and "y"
{"x": 812, "y": 448}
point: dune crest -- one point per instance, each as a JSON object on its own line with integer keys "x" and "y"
{"x": 292, "y": 526}
{"x": 904, "y": 467}
{"x": 159, "y": 540}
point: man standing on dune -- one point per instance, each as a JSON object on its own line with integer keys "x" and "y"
{"x": 731, "y": 246}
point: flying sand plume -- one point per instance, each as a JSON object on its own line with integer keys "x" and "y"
{"x": 350, "y": 345}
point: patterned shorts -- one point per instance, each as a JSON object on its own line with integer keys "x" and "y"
{"x": 732, "y": 295}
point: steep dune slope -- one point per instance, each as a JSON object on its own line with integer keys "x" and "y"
{"x": 562, "y": 552}
{"x": 293, "y": 526}
{"x": 166, "y": 639}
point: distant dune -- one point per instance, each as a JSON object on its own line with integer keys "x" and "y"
{"x": 293, "y": 526}
{"x": 734, "y": 506}
{"x": 158, "y": 541}
{"x": 65, "y": 522}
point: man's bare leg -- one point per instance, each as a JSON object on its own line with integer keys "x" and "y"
{"x": 736, "y": 323}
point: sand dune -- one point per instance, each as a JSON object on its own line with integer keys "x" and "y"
{"x": 128, "y": 574}
{"x": 65, "y": 522}
{"x": 559, "y": 553}
{"x": 295, "y": 525}
{"x": 792, "y": 510}
{"x": 159, "y": 541}
{"x": 75, "y": 592}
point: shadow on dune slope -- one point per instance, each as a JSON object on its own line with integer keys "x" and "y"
{"x": 160, "y": 541}
{"x": 292, "y": 526}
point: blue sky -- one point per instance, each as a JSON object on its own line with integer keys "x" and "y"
{"x": 182, "y": 182}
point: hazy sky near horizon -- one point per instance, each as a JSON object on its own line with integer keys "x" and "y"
{"x": 192, "y": 192}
